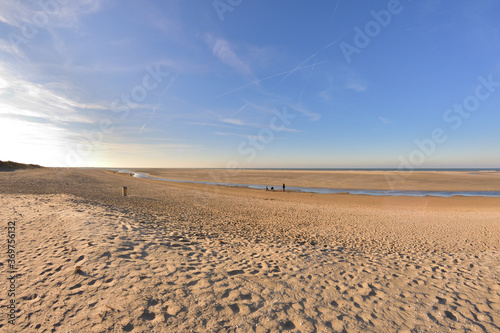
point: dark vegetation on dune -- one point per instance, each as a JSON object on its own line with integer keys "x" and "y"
{"x": 9, "y": 165}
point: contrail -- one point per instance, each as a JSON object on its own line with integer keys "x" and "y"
{"x": 333, "y": 14}
{"x": 170, "y": 83}
{"x": 266, "y": 78}
{"x": 239, "y": 110}
{"x": 305, "y": 85}
{"x": 150, "y": 117}
{"x": 309, "y": 58}
{"x": 299, "y": 66}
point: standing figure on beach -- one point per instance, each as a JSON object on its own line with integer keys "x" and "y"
{"x": 283, "y": 187}
{"x": 272, "y": 188}
{"x": 267, "y": 189}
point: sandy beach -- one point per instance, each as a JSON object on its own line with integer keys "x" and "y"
{"x": 176, "y": 257}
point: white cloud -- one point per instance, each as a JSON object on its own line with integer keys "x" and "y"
{"x": 313, "y": 116}
{"x": 23, "y": 98}
{"x": 231, "y": 134}
{"x": 226, "y": 53}
{"x": 207, "y": 124}
{"x": 326, "y": 95}
{"x": 356, "y": 86}
{"x": 352, "y": 79}
{"x": 135, "y": 148}
{"x": 385, "y": 120}
{"x": 11, "y": 49}
{"x": 45, "y": 14}
{"x": 233, "y": 121}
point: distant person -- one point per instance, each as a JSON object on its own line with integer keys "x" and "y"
{"x": 272, "y": 188}
{"x": 267, "y": 189}
{"x": 283, "y": 187}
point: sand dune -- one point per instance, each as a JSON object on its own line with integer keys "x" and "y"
{"x": 178, "y": 258}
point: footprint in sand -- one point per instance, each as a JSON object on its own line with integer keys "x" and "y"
{"x": 106, "y": 254}
{"x": 441, "y": 300}
{"x": 146, "y": 315}
{"x": 128, "y": 327}
{"x": 126, "y": 226}
{"x": 124, "y": 256}
{"x": 31, "y": 297}
{"x": 235, "y": 308}
{"x": 287, "y": 325}
{"x": 76, "y": 286}
{"x": 235, "y": 272}
{"x": 450, "y": 315}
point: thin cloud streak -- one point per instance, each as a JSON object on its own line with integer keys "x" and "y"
{"x": 226, "y": 54}
{"x": 19, "y": 14}
{"x": 264, "y": 79}
{"x": 385, "y": 120}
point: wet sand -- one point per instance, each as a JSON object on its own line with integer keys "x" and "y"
{"x": 174, "y": 257}
{"x": 366, "y": 180}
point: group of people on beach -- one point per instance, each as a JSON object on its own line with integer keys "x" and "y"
{"x": 272, "y": 188}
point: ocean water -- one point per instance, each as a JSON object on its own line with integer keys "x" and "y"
{"x": 334, "y": 190}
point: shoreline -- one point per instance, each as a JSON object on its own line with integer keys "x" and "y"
{"x": 320, "y": 190}
{"x": 352, "y": 180}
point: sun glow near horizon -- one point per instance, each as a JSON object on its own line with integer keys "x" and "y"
{"x": 87, "y": 90}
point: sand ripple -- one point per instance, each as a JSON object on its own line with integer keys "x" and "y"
{"x": 141, "y": 272}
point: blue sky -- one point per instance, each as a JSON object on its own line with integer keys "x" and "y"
{"x": 108, "y": 83}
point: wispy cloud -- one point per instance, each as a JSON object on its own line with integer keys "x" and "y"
{"x": 284, "y": 101}
{"x": 385, "y": 120}
{"x": 233, "y": 134}
{"x": 334, "y": 12}
{"x": 304, "y": 64}
{"x": 153, "y": 111}
{"x": 313, "y": 116}
{"x": 226, "y": 53}
{"x": 209, "y": 124}
{"x": 350, "y": 78}
{"x": 184, "y": 66}
{"x": 24, "y": 98}
{"x": 135, "y": 148}
{"x": 356, "y": 86}
{"x": 21, "y": 13}
{"x": 239, "y": 110}
{"x": 259, "y": 81}
{"x": 254, "y": 135}
{"x": 233, "y": 121}
{"x": 16, "y": 13}
{"x": 326, "y": 94}
{"x": 11, "y": 49}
